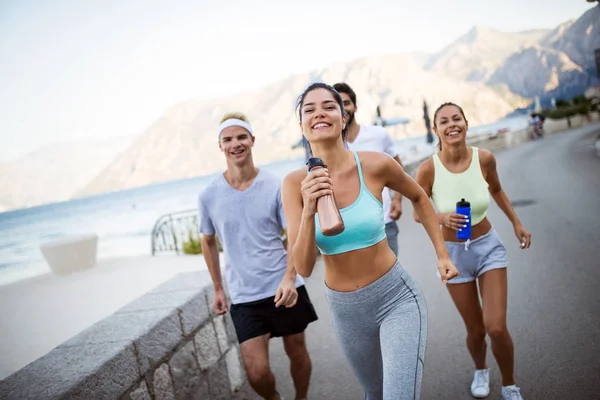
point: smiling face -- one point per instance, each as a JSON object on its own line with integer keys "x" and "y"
{"x": 236, "y": 143}
{"x": 450, "y": 125}
{"x": 321, "y": 116}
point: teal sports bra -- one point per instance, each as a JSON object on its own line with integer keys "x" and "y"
{"x": 363, "y": 221}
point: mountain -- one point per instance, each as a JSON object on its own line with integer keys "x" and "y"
{"x": 488, "y": 72}
{"x": 183, "y": 142}
{"x": 556, "y": 63}
{"x": 555, "y": 73}
{"x": 578, "y": 39}
{"x": 476, "y": 55}
{"x": 54, "y": 172}
{"x": 561, "y": 65}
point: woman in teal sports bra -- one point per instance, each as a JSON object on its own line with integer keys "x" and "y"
{"x": 458, "y": 171}
{"x": 378, "y": 312}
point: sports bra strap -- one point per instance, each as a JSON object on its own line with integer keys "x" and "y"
{"x": 360, "y": 174}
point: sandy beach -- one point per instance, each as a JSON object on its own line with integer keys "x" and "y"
{"x": 40, "y": 313}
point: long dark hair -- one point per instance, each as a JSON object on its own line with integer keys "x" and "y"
{"x": 300, "y": 102}
{"x": 436, "y": 113}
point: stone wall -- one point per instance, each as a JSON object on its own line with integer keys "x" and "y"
{"x": 559, "y": 125}
{"x": 167, "y": 344}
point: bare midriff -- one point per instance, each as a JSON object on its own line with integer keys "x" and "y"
{"x": 353, "y": 270}
{"x": 476, "y": 231}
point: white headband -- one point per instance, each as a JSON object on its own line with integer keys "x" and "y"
{"x": 235, "y": 122}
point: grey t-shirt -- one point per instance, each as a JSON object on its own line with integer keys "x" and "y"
{"x": 249, "y": 226}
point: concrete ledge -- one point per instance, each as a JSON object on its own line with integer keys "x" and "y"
{"x": 166, "y": 344}
{"x": 85, "y": 372}
{"x": 154, "y": 334}
{"x": 71, "y": 254}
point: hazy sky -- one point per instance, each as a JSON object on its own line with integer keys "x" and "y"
{"x": 82, "y": 69}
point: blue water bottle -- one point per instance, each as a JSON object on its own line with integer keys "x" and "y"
{"x": 463, "y": 207}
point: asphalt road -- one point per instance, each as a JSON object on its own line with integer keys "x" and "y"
{"x": 554, "y": 299}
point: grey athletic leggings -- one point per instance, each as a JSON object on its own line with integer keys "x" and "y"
{"x": 382, "y": 329}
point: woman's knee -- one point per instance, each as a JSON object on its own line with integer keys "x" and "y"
{"x": 476, "y": 332}
{"x": 497, "y": 331}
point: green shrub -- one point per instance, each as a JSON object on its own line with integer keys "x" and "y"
{"x": 284, "y": 237}
{"x": 559, "y": 113}
{"x": 579, "y": 100}
{"x": 567, "y": 112}
{"x": 583, "y": 109}
{"x": 193, "y": 244}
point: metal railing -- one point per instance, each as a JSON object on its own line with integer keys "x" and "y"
{"x": 171, "y": 230}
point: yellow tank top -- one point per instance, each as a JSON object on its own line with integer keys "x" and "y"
{"x": 448, "y": 188}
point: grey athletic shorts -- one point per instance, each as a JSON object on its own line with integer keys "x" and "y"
{"x": 473, "y": 258}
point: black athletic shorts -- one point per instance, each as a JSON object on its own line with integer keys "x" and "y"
{"x": 260, "y": 317}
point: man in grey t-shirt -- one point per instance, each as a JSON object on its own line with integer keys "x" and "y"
{"x": 243, "y": 208}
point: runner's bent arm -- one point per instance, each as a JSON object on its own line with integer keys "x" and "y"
{"x": 397, "y": 179}
{"x": 301, "y": 228}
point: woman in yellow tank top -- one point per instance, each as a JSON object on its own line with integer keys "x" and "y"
{"x": 462, "y": 172}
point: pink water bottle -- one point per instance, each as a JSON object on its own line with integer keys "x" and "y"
{"x": 330, "y": 218}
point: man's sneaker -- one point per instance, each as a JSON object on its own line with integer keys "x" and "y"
{"x": 511, "y": 393}
{"x": 480, "y": 387}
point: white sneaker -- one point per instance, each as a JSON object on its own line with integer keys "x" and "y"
{"x": 511, "y": 393}
{"x": 480, "y": 387}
